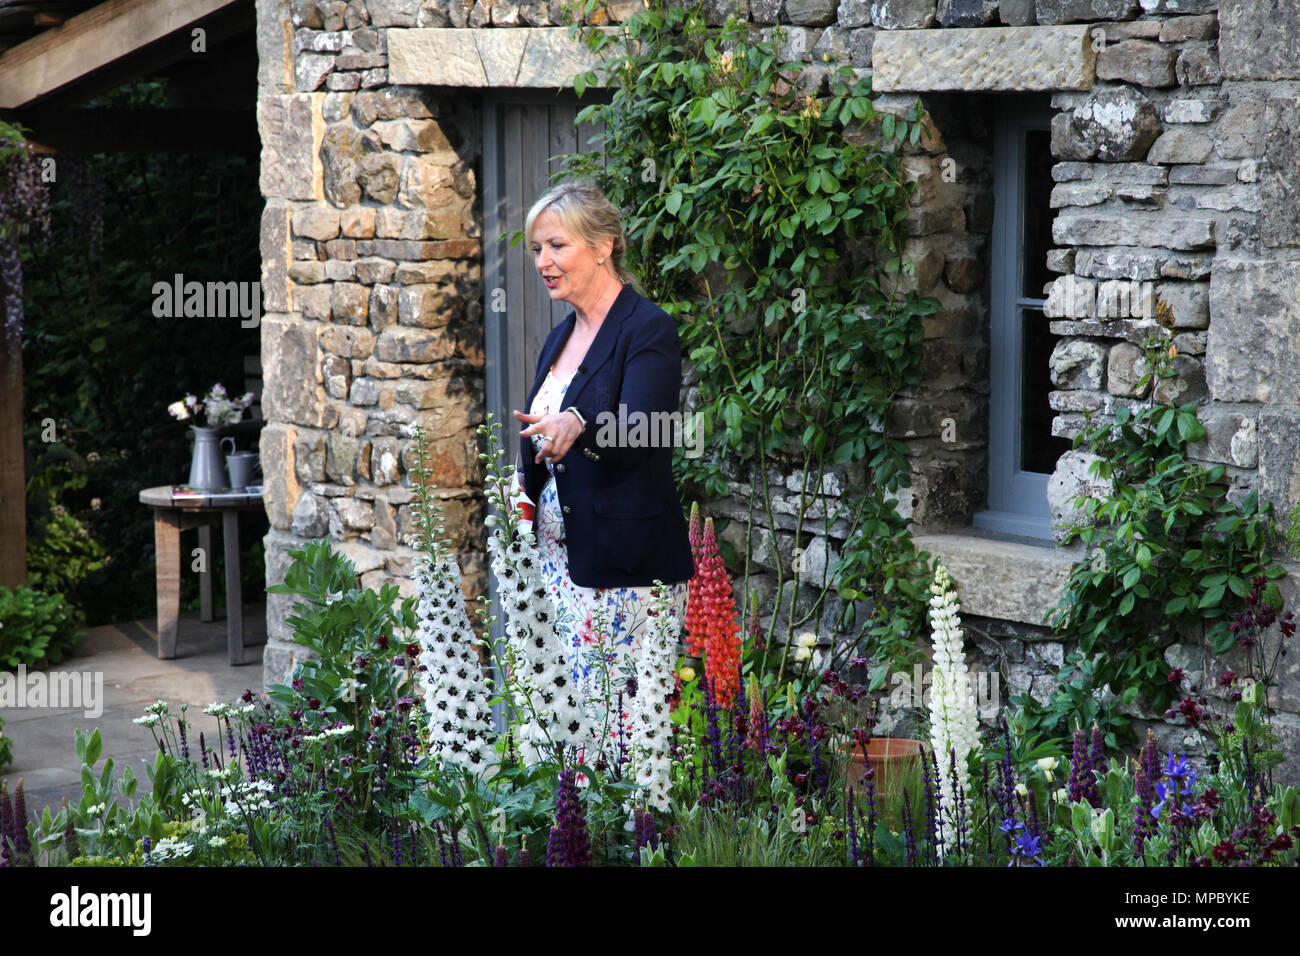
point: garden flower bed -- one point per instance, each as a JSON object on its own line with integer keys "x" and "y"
{"x": 383, "y": 751}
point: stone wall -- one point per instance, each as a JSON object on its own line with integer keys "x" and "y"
{"x": 372, "y": 266}
{"x": 1173, "y": 134}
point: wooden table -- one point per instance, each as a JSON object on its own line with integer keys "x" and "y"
{"x": 173, "y": 514}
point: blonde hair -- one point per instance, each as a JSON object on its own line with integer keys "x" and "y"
{"x": 587, "y": 214}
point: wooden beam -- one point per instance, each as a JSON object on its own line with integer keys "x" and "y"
{"x": 13, "y": 483}
{"x": 91, "y": 41}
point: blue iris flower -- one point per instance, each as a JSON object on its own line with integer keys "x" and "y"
{"x": 1027, "y": 851}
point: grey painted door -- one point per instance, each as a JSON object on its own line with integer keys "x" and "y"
{"x": 521, "y": 135}
{"x": 520, "y": 138}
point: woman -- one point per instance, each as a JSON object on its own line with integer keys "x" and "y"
{"x": 608, "y": 518}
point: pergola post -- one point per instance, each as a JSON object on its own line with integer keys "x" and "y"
{"x": 13, "y": 485}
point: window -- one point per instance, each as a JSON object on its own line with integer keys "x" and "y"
{"x": 1022, "y": 449}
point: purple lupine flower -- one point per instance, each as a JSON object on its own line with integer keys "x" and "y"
{"x": 22, "y": 843}
{"x": 365, "y": 853}
{"x": 932, "y": 835}
{"x": 501, "y": 857}
{"x": 6, "y": 815}
{"x": 1005, "y": 789}
{"x": 1144, "y": 779}
{"x": 396, "y": 844}
{"x": 203, "y": 750}
{"x": 909, "y": 837}
{"x": 185, "y": 744}
{"x": 569, "y": 844}
{"x": 819, "y": 774}
{"x": 714, "y": 734}
{"x": 851, "y": 812}
{"x": 1078, "y": 766}
{"x": 1097, "y": 761}
{"x": 525, "y": 858}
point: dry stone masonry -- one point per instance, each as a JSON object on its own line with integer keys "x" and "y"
{"x": 1177, "y": 171}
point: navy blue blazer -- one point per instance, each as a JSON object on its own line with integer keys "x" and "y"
{"x": 623, "y": 520}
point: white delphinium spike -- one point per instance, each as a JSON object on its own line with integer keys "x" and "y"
{"x": 651, "y": 738}
{"x": 541, "y": 682}
{"x": 544, "y": 688}
{"x": 456, "y": 691}
{"x": 954, "y": 727}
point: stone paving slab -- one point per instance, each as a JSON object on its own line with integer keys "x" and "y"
{"x": 124, "y": 657}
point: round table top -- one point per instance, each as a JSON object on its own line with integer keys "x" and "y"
{"x": 170, "y": 496}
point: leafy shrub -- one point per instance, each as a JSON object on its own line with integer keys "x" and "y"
{"x": 62, "y": 555}
{"x": 36, "y": 629}
{"x": 1169, "y": 556}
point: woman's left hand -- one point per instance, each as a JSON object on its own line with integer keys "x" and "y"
{"x": 562, "y": 429}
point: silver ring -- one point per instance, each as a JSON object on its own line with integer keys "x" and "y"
{"x": 545, "y": 439}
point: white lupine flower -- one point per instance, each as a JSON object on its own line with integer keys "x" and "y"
{"x": 651, "y": 735}
{"x": 456, "y": 692}
{"x": 953, "y": 721}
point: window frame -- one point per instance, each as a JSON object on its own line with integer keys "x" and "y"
{"x": 1017, "y": 499}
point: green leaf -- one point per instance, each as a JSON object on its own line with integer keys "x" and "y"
{"x": 1212, "y": 597}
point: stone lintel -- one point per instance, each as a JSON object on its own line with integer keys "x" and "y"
{"x": 537, "y": 57}
{"x": 1006, "y": 580}
{"x": 1024, "y": 59}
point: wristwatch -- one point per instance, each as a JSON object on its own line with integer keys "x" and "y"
{"x": 574, "y": 409}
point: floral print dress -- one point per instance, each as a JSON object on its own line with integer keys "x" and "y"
{"x": 598, "y": 622}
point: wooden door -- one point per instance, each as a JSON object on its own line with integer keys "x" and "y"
{"x": 521, "y": 137}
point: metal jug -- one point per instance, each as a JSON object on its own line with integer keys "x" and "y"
{"x": 206, "y": 469}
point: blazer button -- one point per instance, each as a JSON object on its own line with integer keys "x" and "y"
{"x": 559, "y": 469}
{"x": 566, "y": 509}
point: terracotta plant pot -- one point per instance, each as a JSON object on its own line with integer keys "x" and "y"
{"x": 893, "y": 759}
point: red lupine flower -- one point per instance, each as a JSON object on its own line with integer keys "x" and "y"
{"x": 721, "y": 628}
{"x": 694, "y": 622}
